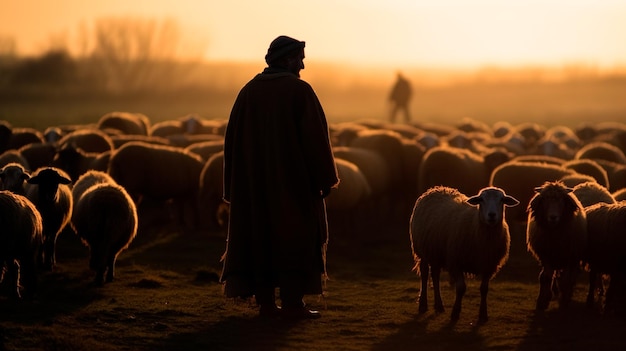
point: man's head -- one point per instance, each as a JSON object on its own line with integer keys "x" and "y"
{"x": 286, "y": 52}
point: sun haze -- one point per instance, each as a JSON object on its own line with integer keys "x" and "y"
{"x": 449, "y": 33}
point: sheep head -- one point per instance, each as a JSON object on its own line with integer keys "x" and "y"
{"x": 491, "y": 202}
{"x": 48, "y": 180}
{"x": 13, "y": 176}
{"x": 553, "y": 204}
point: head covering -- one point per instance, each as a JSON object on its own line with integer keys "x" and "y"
{"x": 281, "y": 47}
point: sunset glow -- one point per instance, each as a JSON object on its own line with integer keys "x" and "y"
{"x": 396, "y": 32}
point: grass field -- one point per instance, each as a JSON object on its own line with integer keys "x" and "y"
{"x": 166, "y": 295}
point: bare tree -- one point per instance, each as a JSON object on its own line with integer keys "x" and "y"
{"x": 135, "y": 53}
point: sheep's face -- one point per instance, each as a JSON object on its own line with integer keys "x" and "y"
{"x": 48, "y": 180}
{"x": 491, "y": 202}
{"x": 13, "y": 177}
{"x": 553, "y": 204}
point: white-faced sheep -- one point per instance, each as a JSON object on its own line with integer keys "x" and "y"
{"x": 20, "y": 242}
{"x": 556, "y": 236}
{"x": 49, "y": 191}
{"x": 13, "y": 177}
{"x": 105, "y": 218}
{"x": 461, "y": 235}
{"x": 606, "y": 249}
{"x": 158, "y": 173}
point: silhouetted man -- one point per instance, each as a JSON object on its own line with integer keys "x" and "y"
{"x": 399, "y": 98}
{"x": 278, "y": 167}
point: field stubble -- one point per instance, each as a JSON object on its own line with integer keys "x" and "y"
{"x": 166, "y": 297}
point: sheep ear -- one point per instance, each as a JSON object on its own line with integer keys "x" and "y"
{"x": 474, "y": 200}
{"x": 538, "y": 189}
{"x": 33, "y": 180}
{"x": 64, "y": 180}
{"x": 510, "y": 201}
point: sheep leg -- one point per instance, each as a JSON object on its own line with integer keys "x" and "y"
{"x": 484, "y": 288}
{"x": 29, "y": 276}
{"x": 460, "y": 292}
{"x": 436, "y": 275}
{"x": 110, "y": 269}
{"x": 545, "y": 288}
{"x": 49, "y": 257}
{"x": 592, "y": 288}
{"x": 567, "y": 280}
{"x": 13, "y": 274}
{"x": 423, "y": 298}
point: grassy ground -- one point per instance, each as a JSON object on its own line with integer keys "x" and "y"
{"x": 166, "y": 297}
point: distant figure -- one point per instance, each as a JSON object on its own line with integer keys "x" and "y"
{"x": 400, "y": 97}
{"x": 278, "y": 168}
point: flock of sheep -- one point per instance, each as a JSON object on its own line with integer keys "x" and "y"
{"x": 449, "y": 185}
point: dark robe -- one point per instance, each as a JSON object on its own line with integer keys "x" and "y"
{"x": 277, "y": 159}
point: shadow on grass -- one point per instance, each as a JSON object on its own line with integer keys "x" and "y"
{"x": 418, "y": 335}
{"x": 236, "y": 333}
{"x": 576, "y": 327}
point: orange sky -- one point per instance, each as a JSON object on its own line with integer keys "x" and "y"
{"x": 392, "y": 32}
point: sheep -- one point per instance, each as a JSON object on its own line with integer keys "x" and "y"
{"x": 190, "y": 124}
{"x": 616, "y": 173}
{"x": 38, "y": 155}
{"x": 210, "y": 194}
{"x": 105, "y": 218}
{"x": 87, "y": 180}
{"x": 49, "y": 191}
{"x": 591, "y": 193}
{"x": 206, "y": 149}
{"x": 13, "y": 177}
{"x": 121, "y": 139}
{"x": 20, "y": 243}
{"x": 606, "y": 247}
{"x": 519, "y": 179}
{"x": 6, "y": 129}
{"x": 157, "y": 172}
{"x": 354, "y": 190}
{"x": 124, "y": 123}
{"x": 619, "y": 195}
{"x": 601, "y": 150}
{"x": 572, "y": 180}
{"x": 461, "y": 235}
{"x": 443, "y": 165}
{"x": 52, "y": 135}
{"x": 556, "y": 235}
{"x": 75, "y": 161}
{"x": 589, "y": 167}
{"x": 13, "y": 156}
{"x": 88, "y": 140}
{"x": 24, "y": 136}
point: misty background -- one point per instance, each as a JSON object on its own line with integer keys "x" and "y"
{"x": 148, "y": 65}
